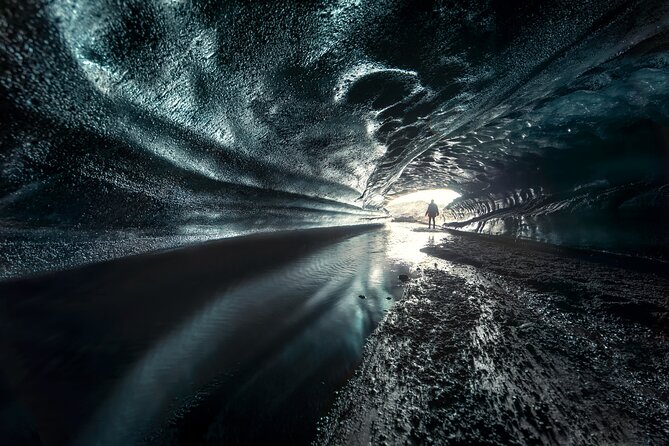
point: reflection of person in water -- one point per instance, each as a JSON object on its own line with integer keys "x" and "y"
{"x": 432, "y": 212}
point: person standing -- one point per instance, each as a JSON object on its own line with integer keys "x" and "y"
{"x": 432, "y": 212}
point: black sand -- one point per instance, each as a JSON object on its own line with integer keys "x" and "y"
{"x": 497, "y": 343}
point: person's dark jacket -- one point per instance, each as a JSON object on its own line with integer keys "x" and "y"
{"x": 432, "y": 210}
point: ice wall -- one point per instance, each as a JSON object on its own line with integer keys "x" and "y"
{"x": 130, "y": 125}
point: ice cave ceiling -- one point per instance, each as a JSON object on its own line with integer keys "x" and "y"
{"x": 137, "y": 114}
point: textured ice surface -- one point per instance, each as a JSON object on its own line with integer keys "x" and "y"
{"x": 163, "y": 116}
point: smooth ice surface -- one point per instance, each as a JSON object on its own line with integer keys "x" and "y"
{"x": 210, "y": 118}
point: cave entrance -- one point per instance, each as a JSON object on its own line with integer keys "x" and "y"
{"x": 412, "y": 206}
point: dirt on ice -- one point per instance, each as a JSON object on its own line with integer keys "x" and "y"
{"x": 506, "y": 343}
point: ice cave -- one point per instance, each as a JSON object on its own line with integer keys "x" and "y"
{"x": 214, "y": 222}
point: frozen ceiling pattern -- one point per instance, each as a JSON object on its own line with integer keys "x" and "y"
{"x": 213, "y": 118}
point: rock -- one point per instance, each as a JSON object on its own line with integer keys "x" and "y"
{"x": 404, "y": 277}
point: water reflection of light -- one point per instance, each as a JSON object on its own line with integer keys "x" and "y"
{"x": 376, "y": 274}
{"x": 405, "y": 243}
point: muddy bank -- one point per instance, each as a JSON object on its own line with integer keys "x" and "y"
{"x": 502, "y": 344}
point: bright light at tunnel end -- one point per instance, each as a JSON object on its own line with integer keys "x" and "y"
{"x": 441, "y": 197}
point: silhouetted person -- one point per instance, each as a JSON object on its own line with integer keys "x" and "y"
{"x": 432, "y": 212}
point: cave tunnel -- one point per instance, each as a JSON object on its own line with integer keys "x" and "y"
{"x": 213, "y": 222}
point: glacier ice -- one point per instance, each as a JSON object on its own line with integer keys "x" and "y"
{"x": 134, "y": 125}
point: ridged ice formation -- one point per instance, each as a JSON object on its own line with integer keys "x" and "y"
{"x": 206, "y": 118}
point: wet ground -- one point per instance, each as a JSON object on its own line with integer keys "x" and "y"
{"x": 508, "y": 343}
{"x": 251, "y": 341}
{"x": 241, "y": 341}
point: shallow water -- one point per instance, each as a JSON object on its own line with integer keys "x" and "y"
{"x": 190, "y": 347}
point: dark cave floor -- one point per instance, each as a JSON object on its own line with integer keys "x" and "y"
{"x": 501, "y": 343}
